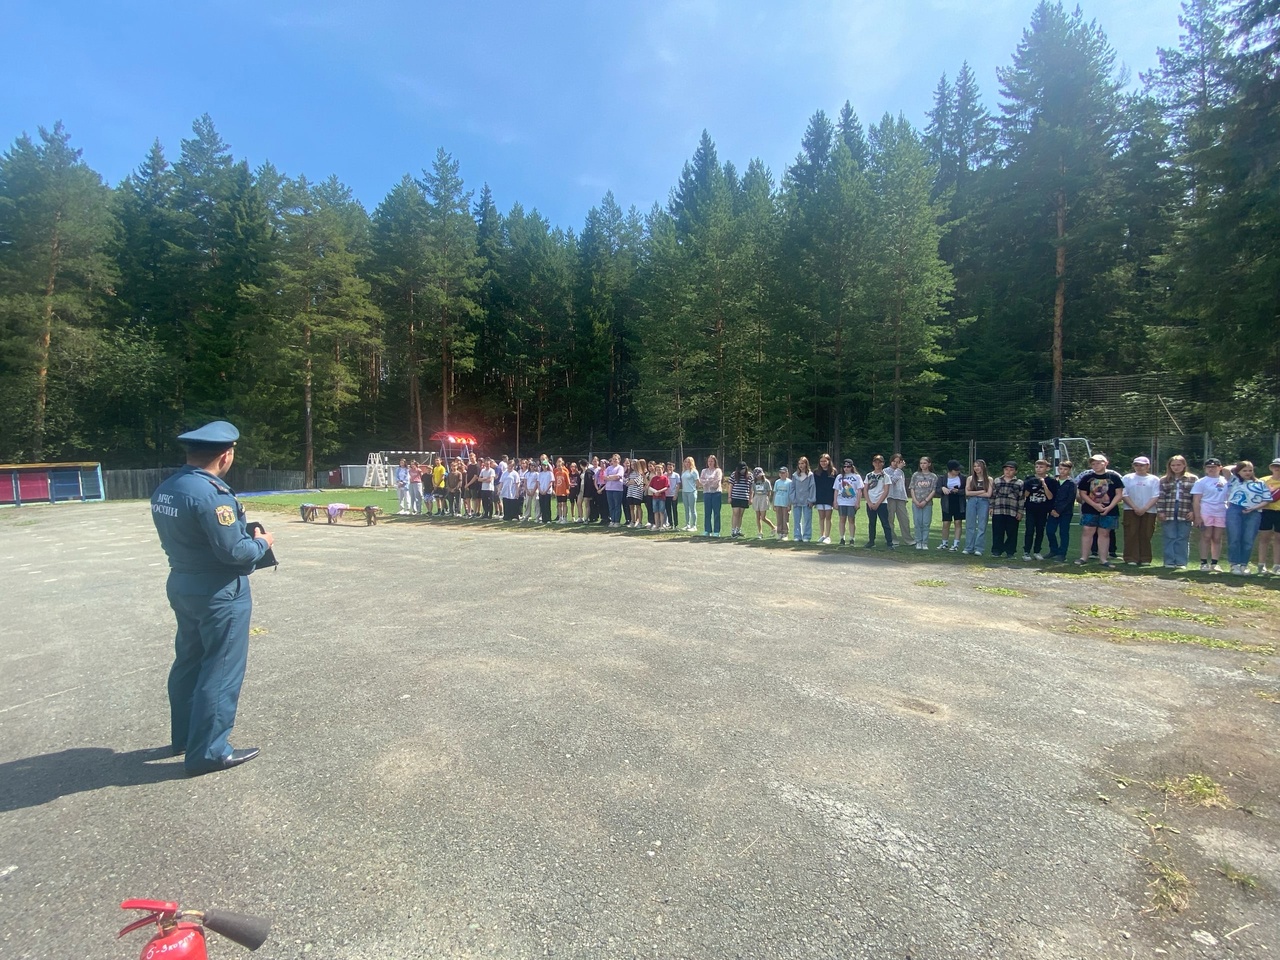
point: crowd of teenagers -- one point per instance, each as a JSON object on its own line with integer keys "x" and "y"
{"x": 1229, "y": 503}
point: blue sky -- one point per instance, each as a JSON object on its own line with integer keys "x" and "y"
{"x": 552, "y": 103}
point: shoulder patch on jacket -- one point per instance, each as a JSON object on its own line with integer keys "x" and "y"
{"x": 226, "y": 516}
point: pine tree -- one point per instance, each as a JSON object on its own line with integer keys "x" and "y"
{"x": 57, "y": 238}
{"x": 702, "y": 207}
{"x": 537, "y": 278}
{"x": 911, "y": 284}
{"x": 454, "y": 271}
{"x": 149, "y": 292}
{"x": 1225, "y": 263}
{"x": 321, "y": 319}
{"x": 1058, "y": 138}
{"x": 1194, "y": 86}
{"x": 399, "y": 275}
{"x": 608, "y": 260}
{"x": 673, "y": 359}
{"x": 223, "y": 242}
{"x": 824, "y": 266}
{"x": 487, "y": 385}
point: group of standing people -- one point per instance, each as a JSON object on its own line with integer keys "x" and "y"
{"x": 1228, "y": 503}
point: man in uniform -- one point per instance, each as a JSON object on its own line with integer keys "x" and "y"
{"x": 202, "y": 530}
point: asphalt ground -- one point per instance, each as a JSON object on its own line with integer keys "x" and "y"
{"x": 487, "y": 742}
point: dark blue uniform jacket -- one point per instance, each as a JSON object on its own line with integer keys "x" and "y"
{"x": 202, "y": 529}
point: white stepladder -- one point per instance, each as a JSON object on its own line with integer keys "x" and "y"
{"x": 375, "y": 472}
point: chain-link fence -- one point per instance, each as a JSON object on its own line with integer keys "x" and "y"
{"x": 1261, "y": 448}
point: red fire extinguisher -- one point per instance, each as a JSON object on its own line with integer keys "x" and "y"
{"x": 180, "y": 933}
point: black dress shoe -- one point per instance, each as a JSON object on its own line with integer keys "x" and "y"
{"x": 237, "y": 757}
{"x": 233, "y": 759}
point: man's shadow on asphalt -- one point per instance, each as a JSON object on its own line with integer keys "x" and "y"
{"x": 33, "y": 781}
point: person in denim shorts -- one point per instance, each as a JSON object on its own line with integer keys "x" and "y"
{"x": 1100, "y": 491}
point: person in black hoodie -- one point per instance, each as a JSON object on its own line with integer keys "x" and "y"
{"x": 1038, "y": 491}
{"x": 1061, "y": 511}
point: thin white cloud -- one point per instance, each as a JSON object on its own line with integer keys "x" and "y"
{"x": 594, "y": 181}
{"x": 419, "y": 92}
{"x": 497, "y": 133}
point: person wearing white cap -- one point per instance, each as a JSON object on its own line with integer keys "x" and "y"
{"x": 1209, "y": 509}
{"x": 1141, "y": 492}
{"x": 1099, "y": 493}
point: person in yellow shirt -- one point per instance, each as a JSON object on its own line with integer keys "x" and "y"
{"x": 438, "y": 472}
{"x": 1269, "y": 531}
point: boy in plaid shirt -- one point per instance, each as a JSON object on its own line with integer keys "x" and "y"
{"x": 1006, "y": 511}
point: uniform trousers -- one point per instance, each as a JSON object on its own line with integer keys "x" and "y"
{"x": 211, "y": 650}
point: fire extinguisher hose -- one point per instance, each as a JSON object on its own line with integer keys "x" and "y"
{"x": 241, "y": 928}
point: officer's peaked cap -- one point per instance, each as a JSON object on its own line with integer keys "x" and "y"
{"x": 220, "y": 433}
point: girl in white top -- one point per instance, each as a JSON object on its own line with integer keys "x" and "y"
{"x": 689, "y": 494}
{"x": 782, "y": 488}
{"x": 487, "y": 475}
{"x": 712, "y": 483}
{"x": 761, "y": 495}
{"x": 530, "y": 475}
{"x": 1246, "y": 498}
{"x": 1209, "y": 510}
{"x": 673, "y": 494}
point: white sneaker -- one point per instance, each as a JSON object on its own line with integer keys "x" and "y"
{"x": 1027, "y": 556}
{"x": 824, "y": 540}
{"x": 1039, "y": 556}
{"x": 924, "y": 546}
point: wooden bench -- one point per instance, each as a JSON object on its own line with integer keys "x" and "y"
{"x": 334, "y": 512}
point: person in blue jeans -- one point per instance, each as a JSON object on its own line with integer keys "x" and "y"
{"x": 977, "y": 492}
{"x": 1246, "y": 497}
{"x": 712, "y": 483}
{"x": 1174, "y": 510}
{"x": 1058, "y": 527}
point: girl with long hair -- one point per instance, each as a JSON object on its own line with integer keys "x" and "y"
{"x": 711, "y": 481}
{"x": 689, "y": 494}
{"x": 977, "y": 503}
{"x": 824, "y": 484}
{"x": 1174, "y": 511}
{"x": 803, "y": 497}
